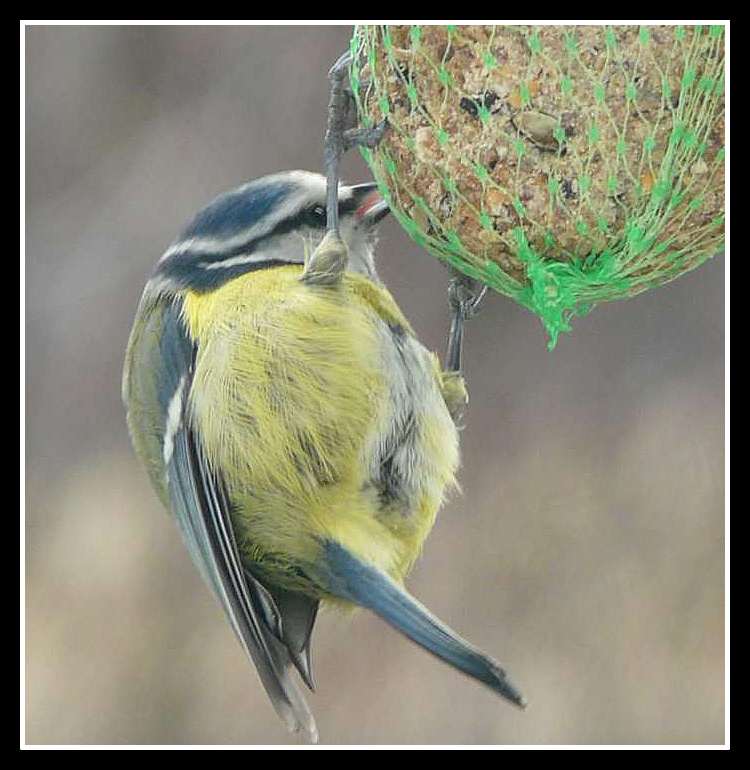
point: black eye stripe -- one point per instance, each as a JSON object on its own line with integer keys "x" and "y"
{"x": 315, "y": 215}
{"x": 182, "y": 264}
{"x": 348, "y": 206}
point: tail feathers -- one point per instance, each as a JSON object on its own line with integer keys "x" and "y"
{"x": 296, "y": 615}
{"x": 274, "y": 667}
{"x": 351, "y": 579}
{"x": 286, "y": 622}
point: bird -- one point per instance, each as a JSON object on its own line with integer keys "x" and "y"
{"x": 291, "y": 421}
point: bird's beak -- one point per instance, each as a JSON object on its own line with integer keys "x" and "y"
{"x": 370, "y": 206}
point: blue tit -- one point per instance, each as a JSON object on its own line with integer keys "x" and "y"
{"x": 293, "y": 424}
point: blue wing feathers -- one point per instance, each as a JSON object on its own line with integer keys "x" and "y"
{"x": 203, "y": 512}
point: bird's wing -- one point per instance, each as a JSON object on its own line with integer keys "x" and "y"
{"x": 347, "y": 577}
{"x": 202, "y": 508}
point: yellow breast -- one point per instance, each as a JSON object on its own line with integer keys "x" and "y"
{"x": 324, "y": 416}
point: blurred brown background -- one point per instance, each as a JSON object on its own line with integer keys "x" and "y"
{"x": 586, "y": 551}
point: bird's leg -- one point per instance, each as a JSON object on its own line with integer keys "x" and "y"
{"x": 329, "y": 260}
{"x": 339, "y": 122}
{"x": 464, "y": 296}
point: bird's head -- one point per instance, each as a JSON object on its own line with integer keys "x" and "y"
{"x": 274, "y": 220}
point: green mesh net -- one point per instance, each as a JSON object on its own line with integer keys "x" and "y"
{"x": 561, "y": 166}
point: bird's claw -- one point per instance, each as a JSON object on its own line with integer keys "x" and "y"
{"x": 365, "y": 137}
{"x": 342, "y": 133}
{"x": 341, "y": 65}
{"x": 465, "y": 295}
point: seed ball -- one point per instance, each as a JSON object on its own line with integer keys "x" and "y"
{"x": 562, "y": 166}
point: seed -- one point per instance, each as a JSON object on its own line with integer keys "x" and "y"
{"x": 496, "y": 200}
{"x": 537, "y": 127}
{"x": 699, "y": 167}
{"x": 425, "y": 144}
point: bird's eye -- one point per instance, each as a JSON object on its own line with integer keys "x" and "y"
{"x": 317, "y": 216}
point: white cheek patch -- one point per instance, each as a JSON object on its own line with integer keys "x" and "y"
{"x": 234, "y": 261}
{"x": 174, "y": 420}
{"x": 361, "y": 244}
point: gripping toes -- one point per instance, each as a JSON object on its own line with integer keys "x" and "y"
{"x": 365, "y": 137}
{"x": 342, "y": 133}
{"x": 465, "y": 295}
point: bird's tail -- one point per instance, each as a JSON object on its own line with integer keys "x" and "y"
{"x": 349, "y": 578}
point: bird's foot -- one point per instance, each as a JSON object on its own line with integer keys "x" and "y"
{"x": 464, "y": 297}
{"x": 342, "y": 133}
